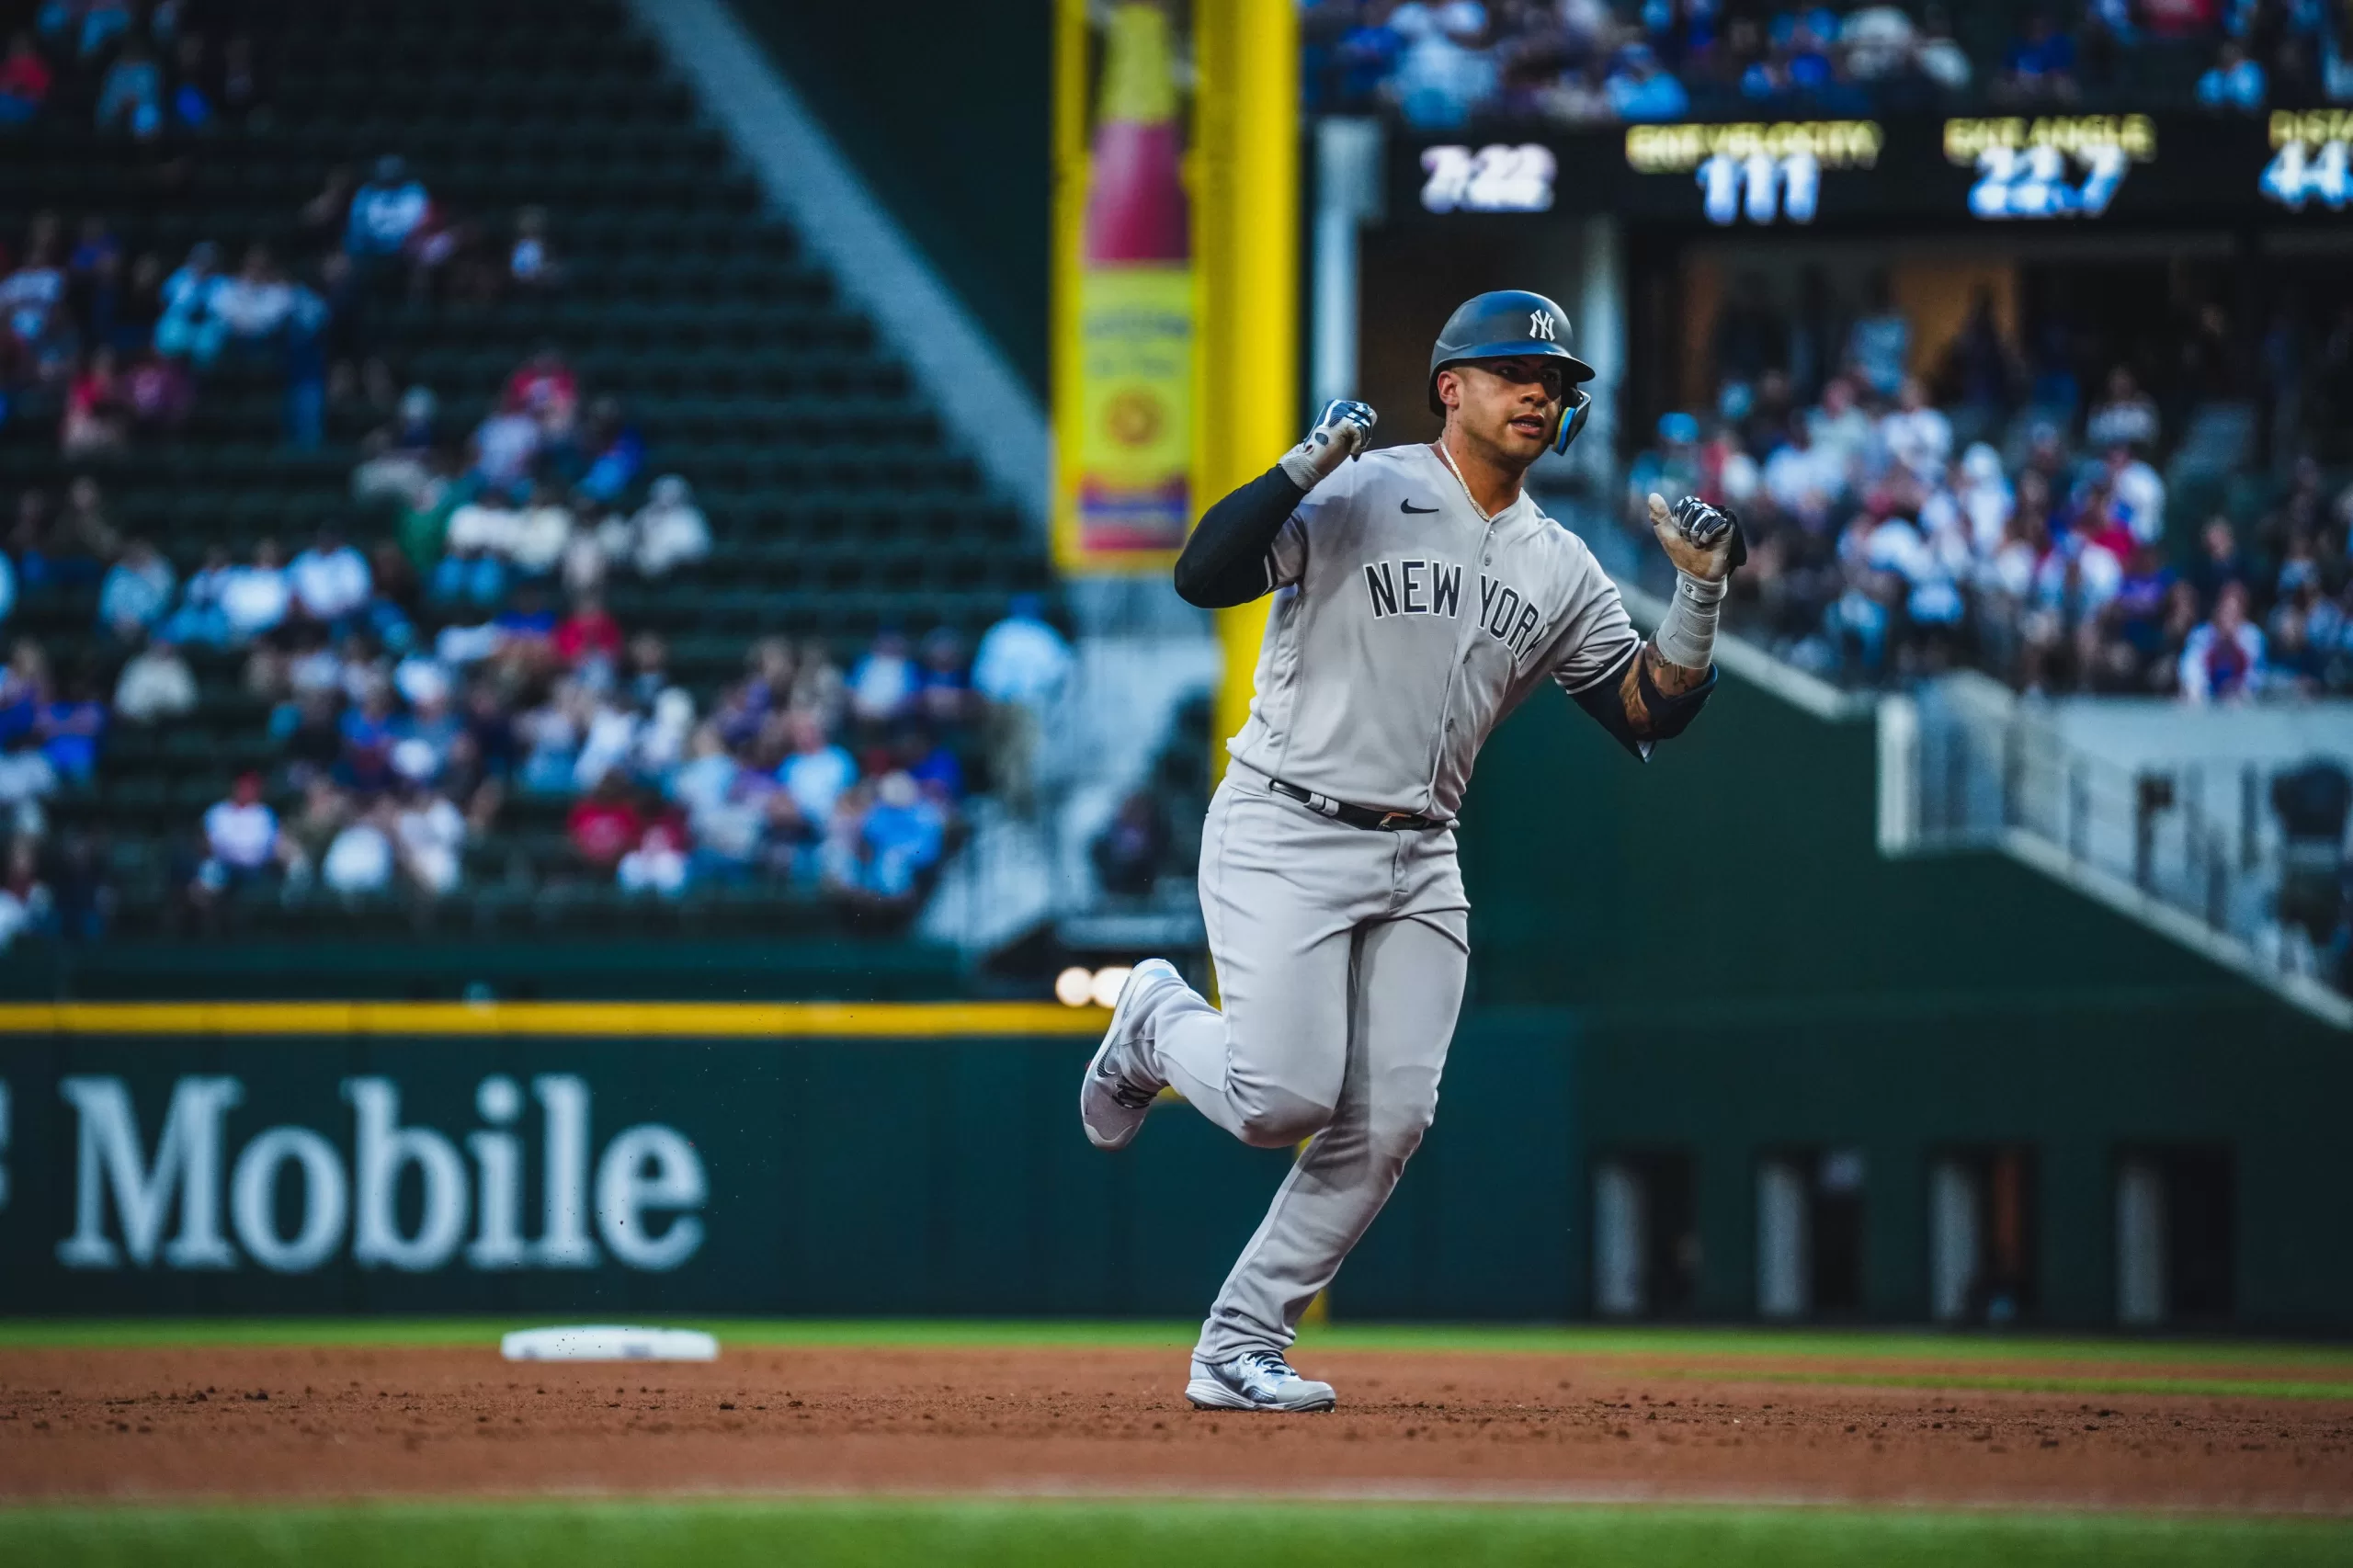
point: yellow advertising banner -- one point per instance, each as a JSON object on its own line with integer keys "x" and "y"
{"x": 1125, "y": 359}
{"x": 1135, "y": 406}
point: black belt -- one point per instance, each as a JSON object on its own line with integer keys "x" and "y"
{"x": 1355, "y": 816}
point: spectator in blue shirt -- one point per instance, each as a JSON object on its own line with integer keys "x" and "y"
{"x": 103, "y": 21}
{"x": 1446, "y": 72}
{"x": 191, "y": 106}
{"x": 2232, "y": 81}
{"x": 1640, "y": 90}
{"x": 136, "y": 593}
{"x": 899, "y": 840}
{"x": 817, "y": 772}
{"x": 71, "y": 728}
{"x": 2040, "y": 62}
{"x": 1366, "y": 55}
{"x": 24, "y": 686}
{"x": 369, "y": 736}
{"x": 613, "y": 450}
{"x": 188, "y": 327}
{"x": 933, "y": 766}
{"x": 132, "y": 96}
{"x": 1810, "y": 67}
{"x": 386, "y": 210}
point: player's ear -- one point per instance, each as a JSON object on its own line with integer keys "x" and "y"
{"x": 1449, "y": 388}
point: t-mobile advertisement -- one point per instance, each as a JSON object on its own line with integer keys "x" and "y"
{"x": 195, "y": 1173}
{"x": 619, "y": 1177}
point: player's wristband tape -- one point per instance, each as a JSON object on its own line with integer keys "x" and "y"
{"x": 1686, "y": 633}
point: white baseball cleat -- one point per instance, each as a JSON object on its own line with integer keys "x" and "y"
{"x": 1119, "y": 1087}
{"x": 1256, "y": 1379}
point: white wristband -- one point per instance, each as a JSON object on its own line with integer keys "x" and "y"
{"x": 1686, "y": 633}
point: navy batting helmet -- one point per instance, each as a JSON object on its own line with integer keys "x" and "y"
{"x": 1514, "y": 323}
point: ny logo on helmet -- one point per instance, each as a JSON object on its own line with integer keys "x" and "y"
{"x": 1539, "y": 324}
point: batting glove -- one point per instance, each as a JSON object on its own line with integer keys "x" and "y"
{"x": 1341, "y": 432}
{"x": 1703, "y": 540}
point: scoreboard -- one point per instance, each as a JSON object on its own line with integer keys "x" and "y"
{"x": 1910, "y": 170}
{"x": 2308, "y": 159}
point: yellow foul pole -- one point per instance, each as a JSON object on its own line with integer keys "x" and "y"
{"x": 1246, "y": 222}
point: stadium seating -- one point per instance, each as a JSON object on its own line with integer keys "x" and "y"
{"x": 839, "y": 503}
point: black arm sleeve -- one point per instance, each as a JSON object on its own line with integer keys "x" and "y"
{"x": 1669, "y": 716}
{"x": 1224, "y": 562}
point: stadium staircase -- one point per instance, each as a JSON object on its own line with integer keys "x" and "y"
{"x": 2158, "y": 816}
{"x": 1133, "y": 718}
{"x": 839, "y": 501}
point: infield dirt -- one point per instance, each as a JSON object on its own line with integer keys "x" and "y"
{"x": 335, "y": 1421}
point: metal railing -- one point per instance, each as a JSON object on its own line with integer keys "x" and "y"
{"x": 2190, "y": 845}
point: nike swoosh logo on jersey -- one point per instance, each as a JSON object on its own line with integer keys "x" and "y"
{"x": 1409, "y": 507}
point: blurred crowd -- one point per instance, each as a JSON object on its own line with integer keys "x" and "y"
{"x": 116, "y": 349}
{"x": 1440, "y": 63}
{"x": 2018, "y": 522}
{"x": 114, "y": 346}
{"x": 802, "y": 775}
{"x": 416, "y": 688}
{"x": 150, "y": 69}
{"x": 419, "y": 683}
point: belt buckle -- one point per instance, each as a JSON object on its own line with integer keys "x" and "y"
{"x": 1387, "y": 818}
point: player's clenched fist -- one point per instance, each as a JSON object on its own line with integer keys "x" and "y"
{"x": 1703, "y": 540}
{"x": 1341, "y": 432}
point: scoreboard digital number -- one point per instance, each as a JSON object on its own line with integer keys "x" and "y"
{"x": 2310, "y": 162}
{"x": 1766, "y": 173}
{"x": 1912, "y": 171}
{"x": 1495, "y": 178}
{"x": 2053, "y": 166}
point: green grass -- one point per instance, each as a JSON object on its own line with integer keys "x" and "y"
{"x": 1892, "y": 1358}
{"x": 1711, "y": 1345}
{"x": 21, "y": 1334}
{"x": 821, "y": 1534}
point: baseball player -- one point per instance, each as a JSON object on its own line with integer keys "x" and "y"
{"x": 1420, "y": 595}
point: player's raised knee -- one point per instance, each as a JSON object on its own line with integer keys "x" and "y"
{"x": 1275, "y": 1118}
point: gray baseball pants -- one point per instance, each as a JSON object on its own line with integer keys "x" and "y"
{"x": 1340, "y": 956}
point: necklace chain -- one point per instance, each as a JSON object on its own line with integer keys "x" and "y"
{"x": 1447, "y": 459}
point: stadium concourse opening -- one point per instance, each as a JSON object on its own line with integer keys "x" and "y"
{"x": 1983, "y": 1233}
{"x": 2175, "y": 1237}
{"x": 1810, "y": 1233}
{"x": 1646, "y": 1234}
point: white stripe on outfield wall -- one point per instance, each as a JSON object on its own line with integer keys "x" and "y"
{"x": 807, "y": 177}
{"x": 2302, "y": 991}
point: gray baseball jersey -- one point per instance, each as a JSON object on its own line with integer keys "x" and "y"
{"x": 1406, "y": 627}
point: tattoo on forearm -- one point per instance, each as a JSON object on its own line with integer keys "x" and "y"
{"x": 1671, "y": 680}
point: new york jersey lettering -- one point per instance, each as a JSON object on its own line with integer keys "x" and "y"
{"x": 1413, "y": 587}
{"x": 1508, "y": 615}
{"x": 1377, "y": 680}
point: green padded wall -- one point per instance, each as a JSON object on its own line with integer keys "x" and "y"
{"x": 890, "y": 1176}
{"x": 1745, "y": 971}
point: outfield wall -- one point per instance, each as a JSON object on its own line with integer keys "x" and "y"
{"x": 223, "y": 1168}
{"x": 615, "y": 1160}
{"x": 1748, "y": 974}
